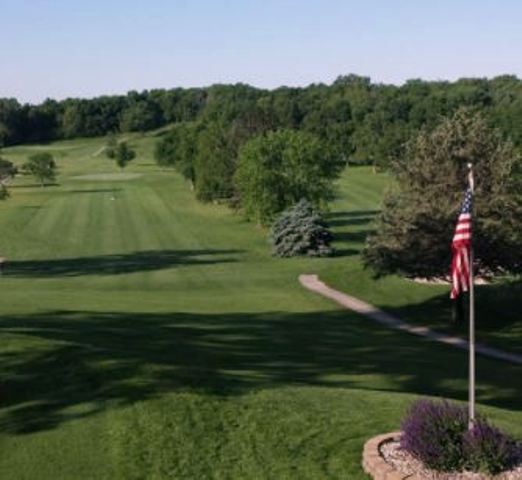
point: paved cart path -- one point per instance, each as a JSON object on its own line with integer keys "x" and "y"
{"x": 312, "y": 282}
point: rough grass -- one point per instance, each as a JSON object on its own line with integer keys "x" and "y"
{"x": 145, "y": 335}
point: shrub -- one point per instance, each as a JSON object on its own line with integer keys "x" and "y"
{"x": 301, "y": 231}
{"x": 437, "y": 434}
{"x": 488, "y": 449}
{"x": 432, "y": 432}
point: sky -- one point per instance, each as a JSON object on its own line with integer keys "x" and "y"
{"x": 84, "y": 48}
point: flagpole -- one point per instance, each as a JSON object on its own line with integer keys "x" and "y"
{"x": 471, "y": 401}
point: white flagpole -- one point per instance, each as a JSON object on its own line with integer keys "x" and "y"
{"x": 471, "y": 401}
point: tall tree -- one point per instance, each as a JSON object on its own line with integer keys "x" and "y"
{"x": 415, "y": 227}
{"x": 277, "y": 170}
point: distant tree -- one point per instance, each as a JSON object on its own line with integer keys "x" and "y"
{"x": 300, "y": 230}
{"x": 414, "y": 230}
{"x": 7, "y": 171}
{"x": 11, "y": 125}
{"x": 123, "y": 155}
{"x": 111, "y": 145}
{"x": 278, "y": 169}
{"x": 42, "y": 166}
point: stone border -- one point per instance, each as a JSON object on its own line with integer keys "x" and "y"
{"x": 374, "y": 464}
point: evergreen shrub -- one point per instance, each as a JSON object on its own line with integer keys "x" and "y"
{"x": 300, "y": 230}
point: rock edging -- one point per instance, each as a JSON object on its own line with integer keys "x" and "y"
{"x": 374, "y": 464}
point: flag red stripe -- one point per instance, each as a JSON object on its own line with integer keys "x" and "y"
{"x": 461, "y": 244}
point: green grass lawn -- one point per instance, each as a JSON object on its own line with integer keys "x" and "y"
{"x": 147, "y": 336}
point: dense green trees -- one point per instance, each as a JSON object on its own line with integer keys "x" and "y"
{"x": 214, "y": 163}
{"x": 278, "y": 169}
{"x": 366, "y": 122}
{"x": 178, "y": 149}
{"x": 42, "y": 166}
{"x": 414, "y": 230}
{"x": 140, "y": 116}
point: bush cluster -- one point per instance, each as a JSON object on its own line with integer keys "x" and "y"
{"x": 437, "y": 434}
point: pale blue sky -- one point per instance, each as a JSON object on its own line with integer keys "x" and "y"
{"x": 61, "y": 48}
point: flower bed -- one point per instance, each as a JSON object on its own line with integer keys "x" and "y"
{"x": 384, "y": 459}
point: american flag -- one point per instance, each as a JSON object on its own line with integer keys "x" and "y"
{"x": 461, "y": 246}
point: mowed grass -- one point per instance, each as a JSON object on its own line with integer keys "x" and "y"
{"x": 147, "y": 336}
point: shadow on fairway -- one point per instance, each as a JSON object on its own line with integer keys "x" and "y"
{"x": 117, "y": 264}
{"x": 34, "y": 185}
{"x": 95, "y": 190}
{"x": 351, "y": 218}
{"x": 497, "y": 309}
{"x": 70, "y": 363}
{"x": 353, "y": 239}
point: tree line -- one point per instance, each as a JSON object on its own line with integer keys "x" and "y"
{"x": 367, "y": 121}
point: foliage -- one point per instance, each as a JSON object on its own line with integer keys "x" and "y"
{"x": 437, "y": 434}
{"x": 278, "y": 169}
{"x": 7, "y": 171}
{"x": 178, "y": 148}
{"x": 487, "y": 449}
{"x": 300, "y": 230}
{"x": 414, "y": 230}
{"x": 433, "y": 432}
{"x": 123, "y": 154}
{"x": 214, "y": 163}
{"x": 368, "y": 122}
{"x": 140, "y": 116}
{"x": 111, "y": 146}
{"x": 42, "y": 166}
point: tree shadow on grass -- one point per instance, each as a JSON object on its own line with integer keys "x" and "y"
{"x": 117, "y": 264}
{"x": 350, "y": 229}
{"x": 94, "y": 190}
{"x": 351, "y": 217}
{"x": 34, "y": 185}
{"x": 69, "y": 364}
{"x": 497, "y": 314}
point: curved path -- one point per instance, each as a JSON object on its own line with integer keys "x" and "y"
{"x": 312, "y": 282}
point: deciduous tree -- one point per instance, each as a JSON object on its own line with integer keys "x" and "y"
{"x": 278, "y": 169}
{"x": 42, "y": 166}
